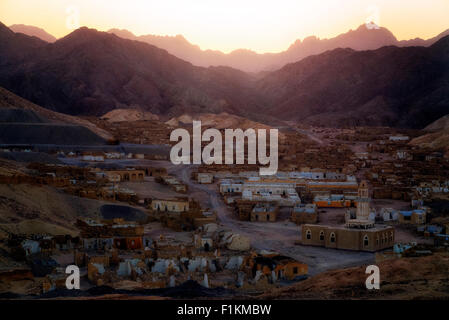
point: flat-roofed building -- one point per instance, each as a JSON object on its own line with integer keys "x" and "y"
{"x": 412, "y": 217}
{"x": 339, "y": 237}
{"x": 170, "y": 205}
{"x": 271, "y": 186}
{"x": 205, "y": 177}
{"x": 332, "y": 201}
{"x": 229, "y": 186}
{"x": 126, "y": 175}
{"x": 329, "y": 186}
{"x": 264, "y": 212}
{"x": 304, "y": 213}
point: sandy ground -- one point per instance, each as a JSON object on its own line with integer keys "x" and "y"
{"x": 150, "y": 189}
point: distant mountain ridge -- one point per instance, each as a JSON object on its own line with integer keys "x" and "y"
{"x": 360, "y": 39}
{"x": 33, "y": 31}
{"x": 91, "y": 73}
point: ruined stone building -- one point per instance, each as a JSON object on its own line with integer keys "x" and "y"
{"x": 114, "y": 234}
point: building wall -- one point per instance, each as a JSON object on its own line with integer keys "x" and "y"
{"x": 128, "y": 243}
{"x": 128, "y": 175}
{"x": 205, "y": 177}
{"x": 230, "y": 187}
{"x": 346, "y": 238}
{"x": 333, "y": 204}
{"x": 104, "y": 260}
{"x": 414, "y": 219}
{"x": 291, "y": 270}
{"x": 304, "y": 217}
{"x": 263, "y": 216}
{"x": 170, "y": 205}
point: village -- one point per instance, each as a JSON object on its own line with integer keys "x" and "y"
{"x": 340, "y": 198}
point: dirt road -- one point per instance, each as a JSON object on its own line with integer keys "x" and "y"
{"x": 278, "y": 236}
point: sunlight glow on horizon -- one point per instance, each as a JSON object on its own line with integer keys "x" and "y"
{"x": 258, "y": 25}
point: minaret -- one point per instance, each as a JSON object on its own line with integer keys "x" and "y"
{"x": 363, "y": 201}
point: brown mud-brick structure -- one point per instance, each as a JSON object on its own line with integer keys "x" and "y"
{"x": 338, "y": 237}
{"x": 116, "y": 234}
{"x": 280, "y": 266}
{"x": 264, "y": 212}
{"x": 181, "y": 213}
{"x": 304, "y": 213}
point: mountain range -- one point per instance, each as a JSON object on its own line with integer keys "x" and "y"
{"x": 362, "y": 38}
{"x": 91, "y": 72}
{"x": 33, "y": 31}
{"x": 405, "y": 87}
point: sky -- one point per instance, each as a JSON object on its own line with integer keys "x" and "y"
{"x": 226, "y": 25}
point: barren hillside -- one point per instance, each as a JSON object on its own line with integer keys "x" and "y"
{"x": 119, "y": 115}
{"x": 9, "y": 100}
{"x": 407, "y": 278}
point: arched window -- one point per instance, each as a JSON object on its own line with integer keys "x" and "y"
{"x": 321, "y": 235}
{"x": 391, "y": 236}
{"x": 308, "y": 234}
{"x": 365, "y": 240}
{"x": 332, "y": 237}
{"x": 377, "y": 240}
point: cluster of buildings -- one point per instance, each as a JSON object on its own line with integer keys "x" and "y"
{"x": 359, "y": 232}
{"x": 260, "y": 198}
{"x": 180, "y": 213}
{"x": 90, "y": 182}
{"x": 173, "y": 183}
{"x": 111, "y": 252}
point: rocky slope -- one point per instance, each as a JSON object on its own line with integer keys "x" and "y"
{"x": 14, "y": 109}
{"x": 437, "y": 136}
{"x": 406, "y": 87}
{"x": 217, "y": 121}
{"x": 33, "y": 31}
{"x": 440, "y": 124}
{"x": 120, "y": 115}
{"x": 402, "y": 279}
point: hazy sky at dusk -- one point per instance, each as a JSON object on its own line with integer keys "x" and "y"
{"x": 260, "y": 25}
